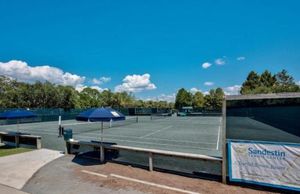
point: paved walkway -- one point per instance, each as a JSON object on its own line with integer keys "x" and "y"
{"x": 60, "y": 177}
{"x": 9, "y": 190}
{"x": 77, "y": 175}
{"x": 16, "y": 170}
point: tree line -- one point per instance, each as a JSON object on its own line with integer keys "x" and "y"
{"x": 15, "y": 94}
{"x": 255, "y": 83}
{"x": 211, "y": 101}
{"x": 269, "y": 83}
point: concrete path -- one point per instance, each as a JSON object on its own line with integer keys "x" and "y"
{"x": 16, "y": 170}
{"x": 60, "y": 177}
{"x": 9, "y": 190}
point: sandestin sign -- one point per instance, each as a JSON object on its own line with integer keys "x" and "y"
{"x": 265, "y": 163}
{"x": 266, "y": 153}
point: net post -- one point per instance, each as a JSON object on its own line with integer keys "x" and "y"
{"x": 59, "y": 120}
{"x": 59, "y": 126}
{"x": 224, "y": 153}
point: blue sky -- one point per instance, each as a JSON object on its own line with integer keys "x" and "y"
{"x": 166, "y": 41}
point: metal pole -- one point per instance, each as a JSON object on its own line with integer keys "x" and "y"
{"x": 18, "y": 125}
{"x": 224, "y": 153}
{"x": 59, "y": 127}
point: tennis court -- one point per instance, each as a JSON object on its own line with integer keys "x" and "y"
{"x": 246, "y": 128}
{"x": 199, "y": 135}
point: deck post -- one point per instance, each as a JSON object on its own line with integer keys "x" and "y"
{"x": 68, "y": 148}
{"x": 17, "y": 141}
{"x": 38, "y": 143}
{"x": 150, "y": 161}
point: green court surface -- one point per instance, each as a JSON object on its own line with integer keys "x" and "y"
{"x": 198, "y": 135}
{"x": 246, "y": 128}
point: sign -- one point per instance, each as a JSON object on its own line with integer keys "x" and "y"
{"x": 115, "y": 113}
{"x": 265, "y": 163}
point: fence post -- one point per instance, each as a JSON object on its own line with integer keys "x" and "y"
{"x": 224, "y": 153}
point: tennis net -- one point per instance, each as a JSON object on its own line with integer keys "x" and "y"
{"x": 84, "y": 127}
{"x": 160, "y": 116}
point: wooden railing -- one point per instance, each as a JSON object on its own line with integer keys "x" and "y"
{"x": 19, "y": 139}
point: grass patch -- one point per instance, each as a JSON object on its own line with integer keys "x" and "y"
{"x": 8, "y": 150}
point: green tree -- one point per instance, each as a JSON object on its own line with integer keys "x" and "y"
{"x": 214, "y": 100}
{"x": 198, "y": 100}
{"x": 107, "y": 98}
{"x": 267, "y": 79}
{"x": 183, "y": 98}
{"x": 268, "y": 83}
{"x": 89, "y": 98}
{"x": 285, "y": 83}
{"x": 68, "y": 98}
{"x": 252, "y": 82}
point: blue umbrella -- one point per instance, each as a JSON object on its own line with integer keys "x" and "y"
{"x": 17, "y": 114}
{"x": 100, "y": 115}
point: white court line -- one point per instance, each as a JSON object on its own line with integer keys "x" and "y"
{"x": 153, "y": 184}
{"x": 116, "y": 137}
{"x": 149, "y": 134}
{"x": 217, "y": 148}
{"x": 94, "y": 173}
{"x": 148, "y": 138}
{"x": 159, "y": 144}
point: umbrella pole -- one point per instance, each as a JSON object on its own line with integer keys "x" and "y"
{"x": 101, "y": 145}
{"x": 18, "y": 127}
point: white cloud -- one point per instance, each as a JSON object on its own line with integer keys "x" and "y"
{"x": 98, "y": 88}
{"x": 135, "y": 83}
{"x": 80, "y": 87}
{"x": 208, "y": 83}
{"x": 101, "y": 80}
{"x": 298, "y": 83}
{"x": 206, "y": 93}
{"x": 241, "y": 58}
{"x": 206, "y": 65}
{"x": 163, "y": 97}
{"x": 232, "y": 90}
{"x": 21, "y": 71}
{"x": 220, "y": 61}
{"x": 194, "y": 90}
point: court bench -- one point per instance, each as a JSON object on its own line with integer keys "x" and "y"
{"x": 21, "y": 139}
{"x": 150, "y": 152}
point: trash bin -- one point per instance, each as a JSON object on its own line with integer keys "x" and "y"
{"x": 68, "y": 134}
